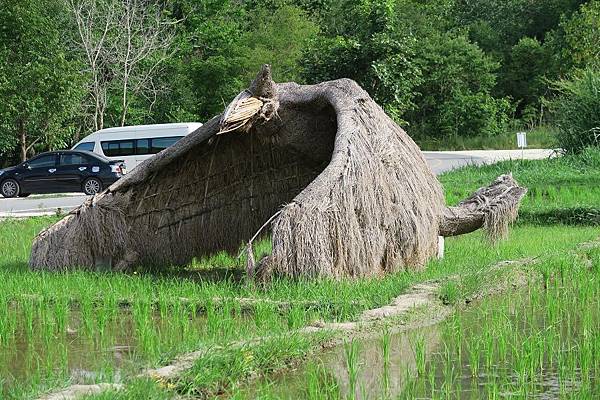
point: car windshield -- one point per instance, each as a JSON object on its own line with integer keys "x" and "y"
{"x": 87, "y": 146}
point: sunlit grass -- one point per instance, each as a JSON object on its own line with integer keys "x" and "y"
{"x": 538, "y": 138}
{"x": 112, "y": 325}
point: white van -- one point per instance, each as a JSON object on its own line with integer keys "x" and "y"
{"x": 134, "y": 144}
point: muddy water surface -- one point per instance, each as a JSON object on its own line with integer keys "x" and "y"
{"x": 46, "y": 346}
{"x": 533, "y": 345}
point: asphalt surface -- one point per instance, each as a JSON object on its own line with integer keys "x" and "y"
{"x": 442, "y": 162}
{"x": 438, "y": 161}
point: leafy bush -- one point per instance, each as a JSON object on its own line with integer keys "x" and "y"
{"x": 523, "y": 77}
{"x": 577, "y": 111}
{"x": 455, "y": 97}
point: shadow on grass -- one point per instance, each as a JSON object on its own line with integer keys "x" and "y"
{"x": 231, "y": 274}
{"x": 578, "y": 216}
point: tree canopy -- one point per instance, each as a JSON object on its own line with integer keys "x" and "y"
{"x": 442, "y": 69}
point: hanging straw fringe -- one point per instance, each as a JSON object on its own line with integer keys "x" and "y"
{"x": 250, "y": 262}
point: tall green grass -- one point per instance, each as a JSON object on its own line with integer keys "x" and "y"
{"x": 577, "y": 110}
{"x": 543, "y": 137}
{"x": 561, "y": 190}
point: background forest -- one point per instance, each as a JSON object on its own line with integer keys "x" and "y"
{"x": 454, "y": 73}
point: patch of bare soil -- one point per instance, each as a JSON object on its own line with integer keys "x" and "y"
{"x": 78, "y": 391}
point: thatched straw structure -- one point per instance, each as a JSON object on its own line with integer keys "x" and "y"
{"x": 347, "y": 190}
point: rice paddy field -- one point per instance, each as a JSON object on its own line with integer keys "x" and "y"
{"x": 540, "y": 341}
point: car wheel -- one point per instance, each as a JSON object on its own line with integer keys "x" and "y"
{"x": 10, "y": 188}
{"x": 92, "y": 186}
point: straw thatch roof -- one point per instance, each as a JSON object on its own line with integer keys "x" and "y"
{"x": 343, "y": 190}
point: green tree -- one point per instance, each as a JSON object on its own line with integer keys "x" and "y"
{"x": 525, "y": 75}
{"x": 514, "y": 31}
{"x": 582, "y": 35}
{"x": 438, "y": 83}
{"x": 510, "y": 19}
{"x": 278, "y": 37}
{"x": 38, "y": 83}
{"x": 375, "y": 53}
{"x": 456, "y": 94}
{"x": 221, "y": 45}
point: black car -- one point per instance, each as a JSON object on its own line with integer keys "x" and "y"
{"x": 60, "y": 171}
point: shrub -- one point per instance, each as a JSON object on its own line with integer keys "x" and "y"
{"x": 456, "y": 94}
{"x": 577, "y": 111}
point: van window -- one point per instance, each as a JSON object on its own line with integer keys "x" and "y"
{"x": 86, "y": 146}
{"x": 159, "y": 144}
{"x": 117, "y": 148}
{"x": 142, "y": 146}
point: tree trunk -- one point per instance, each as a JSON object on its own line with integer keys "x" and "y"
{"x": 22, "y": 139}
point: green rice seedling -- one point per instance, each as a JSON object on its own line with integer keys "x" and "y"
{"x": 263, "y": 313}
{"x": 448, "y": 364}
{"x": 409, "y": 386}
{"x": 227, "y": 321}
{"x": 420, "y": 353}
{"x": 45, "y": 323}
{"x": 385, "y": 350}
{"x": 431, "y": 375}
{"x": 28, "y": 310}
{"x": 321, "y": 385}
{"x": 61, "y": 314}
{"x": 296, "y": 317}
{"x": 488, "y": 349}
{"x": 8, "y": 321}
{"x": 449, "y": 293}
{"x": 86, "y": 308}
{"x": 351, "y": 351}
{"x": 103, "y": 317}
{"x": 474, "y": 357}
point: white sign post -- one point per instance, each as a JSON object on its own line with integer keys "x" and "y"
{"x": 522, "y": 142}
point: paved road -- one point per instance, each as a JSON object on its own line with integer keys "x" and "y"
{"x": 40, "y": 204}
{"x": 438, "y": 161}
{"x": 442, "y": 161}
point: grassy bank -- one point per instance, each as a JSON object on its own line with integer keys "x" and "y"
{"x": 537, "y": 138}
{"x": 82, "y": 327}
{"x": 561, "y": 190}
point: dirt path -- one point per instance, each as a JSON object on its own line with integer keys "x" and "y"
{"x": 78, "y": 391}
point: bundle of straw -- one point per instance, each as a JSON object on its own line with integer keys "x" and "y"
{"x": 239, "y": 112}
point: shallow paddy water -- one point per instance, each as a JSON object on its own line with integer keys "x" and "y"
{"x": 44, "y": 344}
{"x": 539, "y": 343}
{"x": 52, "y": 343}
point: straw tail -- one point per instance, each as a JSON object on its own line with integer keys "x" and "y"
{"x": 492, "y": 208}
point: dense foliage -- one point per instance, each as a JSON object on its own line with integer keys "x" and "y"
{"x": 444, "y": 69}
{"x": 577, "y": 110}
